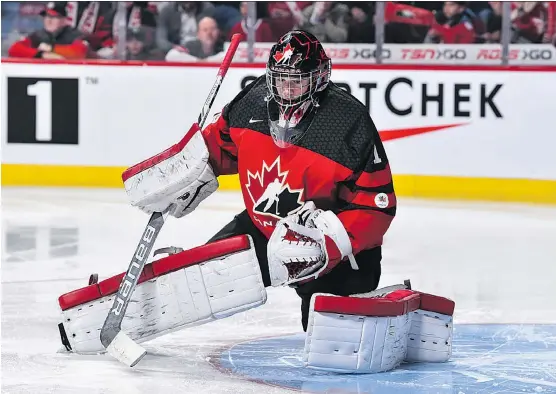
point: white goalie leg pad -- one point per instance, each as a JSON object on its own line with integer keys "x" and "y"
{"x": 359, "y": 334}
{"x": 190, "y": 288}
{"x": 356, "y": 334}
{"x": 177, "y": 179}
{"x": 432, "y": 329}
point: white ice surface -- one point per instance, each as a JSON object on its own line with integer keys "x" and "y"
{"x": 498, "y": 262}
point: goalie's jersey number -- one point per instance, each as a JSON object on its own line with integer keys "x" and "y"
{"x": 43, "y": 110}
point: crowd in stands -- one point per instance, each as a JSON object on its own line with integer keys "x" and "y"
{"x": 198, "y": 30}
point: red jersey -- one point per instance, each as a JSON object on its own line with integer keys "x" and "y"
{"x": 67, "y": 42}
{"x": 339, "y": 164}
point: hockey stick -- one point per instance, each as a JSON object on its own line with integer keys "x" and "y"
{"x": 117, "y": 343}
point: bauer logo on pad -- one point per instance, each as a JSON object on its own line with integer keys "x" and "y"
{"x": 43, "y": 110}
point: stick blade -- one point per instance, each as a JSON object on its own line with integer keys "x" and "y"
{"x": 125, "y": 350}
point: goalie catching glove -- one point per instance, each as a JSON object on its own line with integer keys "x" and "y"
{"x": 306, "y": 245}
{"x": 176, "y": 180}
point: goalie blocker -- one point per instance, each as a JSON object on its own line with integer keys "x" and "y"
{"x": 193, "y": 287}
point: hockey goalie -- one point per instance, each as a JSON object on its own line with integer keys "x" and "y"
{"x": 319, "y": 198}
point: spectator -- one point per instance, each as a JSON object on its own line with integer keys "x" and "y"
{"x": 137, "y": 14}
{"x": 138, "y": 47}
{"x": 327, "y": 21}
{"x": 208, "y": 41}
{"x": 227, "y": 14}
{"x": 90, "y": 18}
{"x": 361, "y": 28}
{"x": 263, "y": 32}
{"x": 528, "y": 21}
{"x": 178, "y": 22}
{"x": 160, "y": 5}
{"x": 454, "y": 25}
{"x": 408, "y": 22}
{"x": 56, "y": 40}
{"x": 286, "y": 15}
{"x": 492, "y": 18}
{"x": 550, "y": 32}
{"x": 206, "y": 47}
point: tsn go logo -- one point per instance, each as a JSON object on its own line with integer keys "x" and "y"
{"x": 536, "y": 54}
{"x": 369, "y": 53}
{"x": 434, "y": 54}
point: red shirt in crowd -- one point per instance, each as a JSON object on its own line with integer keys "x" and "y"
{"x": 531, "y": 19}
{"x": 263, "y": 32}
{"x": 460, "y": 33}
{"x": 66, "y": 43}
{"x": 282, "y": 19}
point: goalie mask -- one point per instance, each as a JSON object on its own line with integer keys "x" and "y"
{"x": 297, "y": 74}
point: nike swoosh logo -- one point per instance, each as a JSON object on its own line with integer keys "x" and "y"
{"x": 254, "y": 120}
{"x": 394, "y": 134}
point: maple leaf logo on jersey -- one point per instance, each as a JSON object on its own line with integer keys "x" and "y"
{"x": 283, "y": 57}
{"x": 270, "y": 193}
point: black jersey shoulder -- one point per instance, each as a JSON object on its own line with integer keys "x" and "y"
{"x": 248, "y": 108}
{"x": 342, "y": 129}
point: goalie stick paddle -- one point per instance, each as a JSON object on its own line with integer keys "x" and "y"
{"x": 117, "y": 343}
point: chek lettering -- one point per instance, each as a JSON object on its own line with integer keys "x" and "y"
{"x": 464, "y": 99}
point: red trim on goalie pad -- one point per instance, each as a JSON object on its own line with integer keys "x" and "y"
{"x": 201, "y": 253}
{"x": 99, "y": 290}
{"x": 398, "y": 303}
{"x": 111, "y": 285}
{"x": 152, "y": 161}
{"x": 158, "y": 268}
{"x": 437, "y": 304}
{"x": 79, "y": 296}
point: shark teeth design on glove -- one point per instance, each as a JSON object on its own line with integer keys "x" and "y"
{"x": 293, "y": 236}
{"x": 303, "y": 267}
{"x": 300, "y": 267}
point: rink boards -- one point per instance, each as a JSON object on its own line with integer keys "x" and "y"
{"x": 449, "y": 131}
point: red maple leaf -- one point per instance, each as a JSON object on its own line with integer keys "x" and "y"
{"x": 278, "y": 56}
{"x": 258, "y": 182}
{"x": 288, "y": 50}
